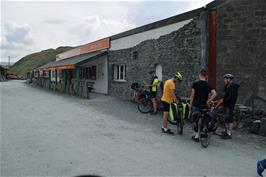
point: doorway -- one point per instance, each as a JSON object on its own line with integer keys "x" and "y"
{"x": 159, "y": 72}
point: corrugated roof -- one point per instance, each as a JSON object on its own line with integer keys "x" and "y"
{"x": 77, "y": 60}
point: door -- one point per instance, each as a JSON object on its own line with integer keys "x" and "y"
{"x": 159, "y": 72}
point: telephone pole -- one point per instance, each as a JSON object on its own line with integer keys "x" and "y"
{"x": 8, "y": 61}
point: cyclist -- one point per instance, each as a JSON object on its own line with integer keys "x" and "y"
{"x": 153, "y": 90}
{"x": 168, "y": 98}
{"x": 200, "y": 92}
{"x": 229, "y": 101}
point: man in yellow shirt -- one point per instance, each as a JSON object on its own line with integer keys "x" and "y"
{"x": 168, "y": 98}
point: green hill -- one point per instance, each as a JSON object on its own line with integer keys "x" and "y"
{"x": 34, "y": 60}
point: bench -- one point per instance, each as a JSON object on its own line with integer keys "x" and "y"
{"x": 89, "y": 85}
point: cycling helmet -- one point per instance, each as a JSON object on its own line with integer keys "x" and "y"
{"x": 178, "y": 75}
{"x": 229, "y": 76}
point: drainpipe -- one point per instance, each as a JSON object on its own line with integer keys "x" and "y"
{"x": 212, "y": 47}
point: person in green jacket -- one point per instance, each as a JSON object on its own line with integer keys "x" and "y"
{"x": 153, "y": 90}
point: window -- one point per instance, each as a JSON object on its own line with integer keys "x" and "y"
{"x": 88, "y": 73}
{"x": 36, "y": 73}
{"x": 45, "y": 74}
{"x": 92, "y": 73}
{"x": 119, "y": 72}
{"x": 135, "y": 55}
{"x": 52, "y": 75}
{"x": 40, "y": 73}
{"x": 59, "y": 75}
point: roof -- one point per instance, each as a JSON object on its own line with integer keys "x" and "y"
{"x": 3, "y": 67}
{"x": 73, "y": 61}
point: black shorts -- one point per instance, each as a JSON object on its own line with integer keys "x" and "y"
{"x": 153, "y": 94}
{"x": 166, "y": 106}
{"x": 228, "y": 115}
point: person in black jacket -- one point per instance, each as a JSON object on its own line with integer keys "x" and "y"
{"x": 229, "y": 101}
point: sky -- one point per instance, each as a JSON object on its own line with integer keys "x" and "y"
{"x": 32, "y": 26}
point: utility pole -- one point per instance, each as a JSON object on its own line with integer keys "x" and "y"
{"x": 8, "y": 61}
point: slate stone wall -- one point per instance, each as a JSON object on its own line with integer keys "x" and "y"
{"x": 241, "y": 46}
{"x": 183, "y": 50}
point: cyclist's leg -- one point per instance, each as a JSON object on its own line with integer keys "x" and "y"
{"x": 228, "y": 118}
{"x": 154, "y": 101}
{"x": 195, "y": 117}
{"x": 166, "y": 108}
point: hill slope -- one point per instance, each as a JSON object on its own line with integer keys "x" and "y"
{"x": 34, "y": 60}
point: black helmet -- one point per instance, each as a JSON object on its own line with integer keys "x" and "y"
{"x": 229, "y": 76}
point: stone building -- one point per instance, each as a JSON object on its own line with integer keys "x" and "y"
{"x": 224, "y": 36}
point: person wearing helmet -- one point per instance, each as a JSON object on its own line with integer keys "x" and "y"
{"x": 168, "y": 98}
{"x": 229, "y": 101}
{"x": 202, "y": 93}
{"x": 153, "y": 90}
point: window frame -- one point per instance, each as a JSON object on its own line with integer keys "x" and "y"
{"x": 117, "y": 74}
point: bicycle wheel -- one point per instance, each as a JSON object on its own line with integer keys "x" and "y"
{"x": 205, "y": 139}
{"x": 145, "y": 105}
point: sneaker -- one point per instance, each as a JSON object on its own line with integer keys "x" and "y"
{"x": 195, "y": 139}
{"x": 259, "y": 168}
{"x": 223, "y": 133}
{"x": 168, "y": 131}
{"x": 226, "y": 136}
{"x": 153, "y": 113}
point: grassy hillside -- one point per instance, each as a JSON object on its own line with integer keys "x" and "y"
{"x": 34, "y": 60}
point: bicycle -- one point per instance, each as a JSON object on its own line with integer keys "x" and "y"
{"x": 207, "y": 125}
{"x": 178, "y": 113}
{"x": 136, "y": 92}
{"x": 145, "y": 103}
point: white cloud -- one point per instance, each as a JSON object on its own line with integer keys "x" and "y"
{"x": 16, "y": 38}
{"x": 48, "y": 24}
{"x": 94, "y": 27}
{"x": 198, "y": 4}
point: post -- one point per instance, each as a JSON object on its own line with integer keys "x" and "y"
{"x": 49, "y": 79}
{"x": 8, "y": 61}
{"x": 55, "y": 88}
{"x": 212, "y": 47}
{"x": 77, "y": 81}
{"x": 65, "y": 80}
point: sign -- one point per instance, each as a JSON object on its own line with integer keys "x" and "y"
{"x": 95, "y": 46}
{"x": 87, "y": 48}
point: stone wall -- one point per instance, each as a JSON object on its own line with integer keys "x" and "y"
{"x": 183, "y": 50}
{"x": 241, "y": 46}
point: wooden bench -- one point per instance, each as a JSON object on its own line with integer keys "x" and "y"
{"x": 90, "y": 85}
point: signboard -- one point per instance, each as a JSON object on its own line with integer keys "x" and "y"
{"x": 68, "y": 54}
{"x": 95, "y": 46}
{"x": 87, "y": 48}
